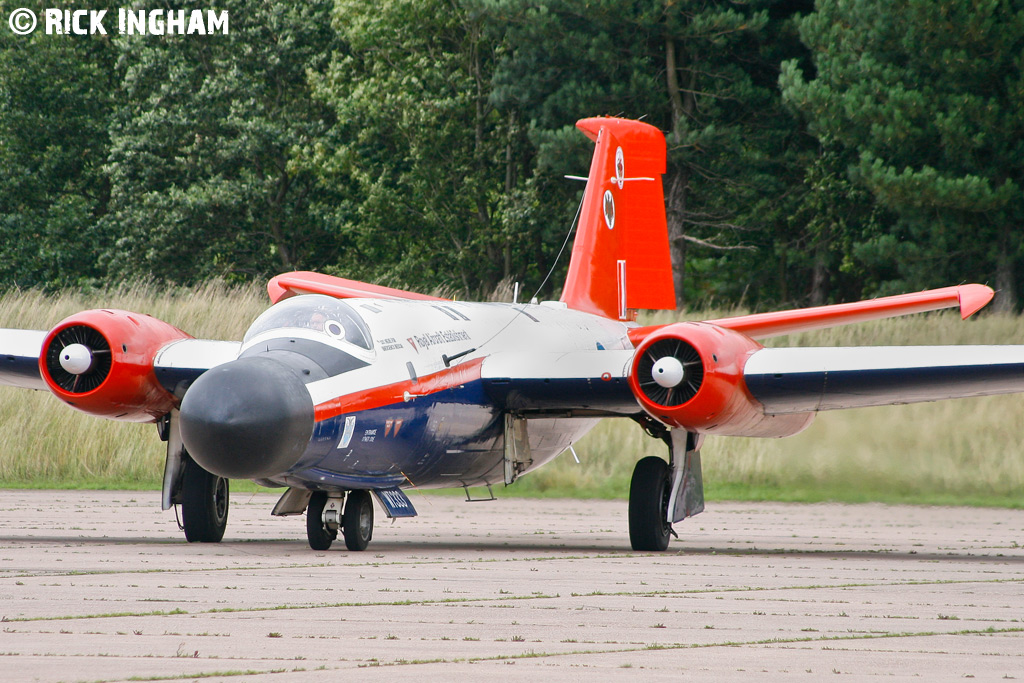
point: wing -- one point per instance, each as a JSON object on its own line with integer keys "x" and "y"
{"x": 730, "y": 385}
{"x": 179, "y": 363}
{"x": 804, "y": 380}
{"x": 570, "y": 384}
{"x": 968, "y": 298}
{"x": 19, "y": 358}
{"x": 304, "y": 282}
{"x": 175, "y": 365}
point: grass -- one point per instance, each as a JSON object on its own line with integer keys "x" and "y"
{"x": 954, "y": 452}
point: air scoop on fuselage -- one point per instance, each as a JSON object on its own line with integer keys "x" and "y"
{"x": 247, "y": 419}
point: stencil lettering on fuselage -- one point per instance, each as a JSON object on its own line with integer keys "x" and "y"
{"x": 389, "y": 344}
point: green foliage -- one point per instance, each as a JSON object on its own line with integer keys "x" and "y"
{"x": 927, "y": 97}
{"x": 56, "y": 98}
{"x": 203, "y": 167}
{"x": 417, "y": 141}
{"x": 817, "y": 153}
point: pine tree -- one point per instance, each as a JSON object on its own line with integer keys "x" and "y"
{"x": 928, "y": 97}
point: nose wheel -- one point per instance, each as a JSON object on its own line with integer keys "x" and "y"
{"x": 322, "y": 520}
{"x": 324, "y": 517}
{"x": 357, "y": 522}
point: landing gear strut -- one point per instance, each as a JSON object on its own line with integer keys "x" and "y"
{"x": 663, "y": 493}
{"x": 324, "y": 517}
{"x": 204, "y": 504}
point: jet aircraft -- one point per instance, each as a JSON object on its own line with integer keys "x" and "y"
{"x": 344, "y": 392}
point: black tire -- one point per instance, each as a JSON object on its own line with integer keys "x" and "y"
{"x": 319, "y": 535}
{"x": 357, "y": 521}
{"x": 204, "y": 504}
{"x": 648, "y": 505}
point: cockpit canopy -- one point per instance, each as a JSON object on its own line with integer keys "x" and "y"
{"x": 316, "y": 312}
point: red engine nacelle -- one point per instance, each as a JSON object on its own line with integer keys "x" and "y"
{"x": 690, "y": 375}
{"x": 101, "y": 362}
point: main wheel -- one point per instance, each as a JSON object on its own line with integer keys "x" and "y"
{"x": 319, "y": 534}
{"x": 648, "y": 505}
{"x": 357, "y": 520}
{"x": 204, "y": 504}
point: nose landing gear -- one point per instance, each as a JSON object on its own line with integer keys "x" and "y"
{"x": 357, "y": 523}
{"x": 324, "y": 517}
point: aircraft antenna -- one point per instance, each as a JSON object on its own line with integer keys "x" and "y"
{"x": 533, "y": 299}
{"x": 572, "y": 228}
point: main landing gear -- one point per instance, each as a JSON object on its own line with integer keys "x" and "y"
{"x": 203, "y": 496}
{"x": 648, "y": 505}
{"x": 662, "y": 493}
{"x": 204, "y": 504}
{"x": 324, "y": 518}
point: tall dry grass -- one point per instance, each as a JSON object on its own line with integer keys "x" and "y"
{"x": 954, "y": 451}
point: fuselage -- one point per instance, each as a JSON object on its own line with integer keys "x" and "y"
{"x": 397, "y": 393}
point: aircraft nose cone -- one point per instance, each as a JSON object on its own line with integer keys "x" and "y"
{"x": 247, "y": 419}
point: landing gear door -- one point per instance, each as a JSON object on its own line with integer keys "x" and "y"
{"x": 687, "y": 496}
{"x": 517, "y": 448}
{"x": 174, "y": 465}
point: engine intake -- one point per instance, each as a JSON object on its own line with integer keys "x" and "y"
{"x": 78, "y": 359}
{"x": 669, "y": 371}
{"x": 101, "y": 362}
{"x": 690, "y": 375}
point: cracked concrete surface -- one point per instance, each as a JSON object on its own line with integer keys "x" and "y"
{"x": 101, "y": 586}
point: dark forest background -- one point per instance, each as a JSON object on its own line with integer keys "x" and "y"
{"x": 818, "y": 151}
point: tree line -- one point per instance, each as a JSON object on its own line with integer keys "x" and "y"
{"x": 817, "y": 151}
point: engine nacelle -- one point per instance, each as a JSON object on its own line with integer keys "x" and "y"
{"x": 690, "y": 375}
{"x": 101, "y": 362}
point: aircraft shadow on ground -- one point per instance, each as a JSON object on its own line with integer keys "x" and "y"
{"x": 385, "y": 547}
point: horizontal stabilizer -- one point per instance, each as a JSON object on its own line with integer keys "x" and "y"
{"x": 969, "y": 298}
{"x": 305, "y": 282}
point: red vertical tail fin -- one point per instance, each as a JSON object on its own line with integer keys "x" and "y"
{"x": 620, "y": 259}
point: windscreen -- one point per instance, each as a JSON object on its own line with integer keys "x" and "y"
{"x": 314, "y": 312}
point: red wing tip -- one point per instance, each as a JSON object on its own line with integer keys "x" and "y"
{"x": 973, "y": 298}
